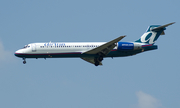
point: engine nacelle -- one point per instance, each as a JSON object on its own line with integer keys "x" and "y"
{"x": 124, "y": 46}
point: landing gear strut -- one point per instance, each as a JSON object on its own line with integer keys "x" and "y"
{"x": 24, "y": 62}
{"x": 100, "y": 58}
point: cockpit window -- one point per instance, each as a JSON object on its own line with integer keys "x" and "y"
{"x": 26, "y": 46}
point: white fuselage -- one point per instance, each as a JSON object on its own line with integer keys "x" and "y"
{"x": 56, "y": 47}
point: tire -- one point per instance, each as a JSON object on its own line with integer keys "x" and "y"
{"x": 24, "y": 62}
{"x": 96, "y": 63}
{"x": 100, "y": 58}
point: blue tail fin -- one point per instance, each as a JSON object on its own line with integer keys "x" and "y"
{"x": 152, "y": 33}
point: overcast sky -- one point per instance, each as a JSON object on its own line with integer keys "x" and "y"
{"x": 146, "y": 80}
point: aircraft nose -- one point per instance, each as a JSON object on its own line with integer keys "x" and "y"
{"x": 18, "y": 52}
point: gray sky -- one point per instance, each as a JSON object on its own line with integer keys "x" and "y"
{"x": 147, "y": 80}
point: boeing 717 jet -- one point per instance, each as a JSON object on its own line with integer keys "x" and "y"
{"x": 93, "y": 52}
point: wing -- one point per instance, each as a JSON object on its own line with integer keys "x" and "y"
{"x": 105, "y": 48}
{"x": 102, "y": 51}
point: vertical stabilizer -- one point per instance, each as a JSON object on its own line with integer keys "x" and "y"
{"x": 152, "y": 33}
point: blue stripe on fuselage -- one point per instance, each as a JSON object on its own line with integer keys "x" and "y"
{"x": 125, "y": 46}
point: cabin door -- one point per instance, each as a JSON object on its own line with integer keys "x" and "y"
{"x": 33, "y": 47}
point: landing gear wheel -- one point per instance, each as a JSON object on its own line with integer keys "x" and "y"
{"x": 24, "y": 62}
{"x": 96, "y": 63}
{"x": 100, "y": 58}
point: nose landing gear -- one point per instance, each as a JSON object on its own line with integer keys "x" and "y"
{"x": 24, "y": 62}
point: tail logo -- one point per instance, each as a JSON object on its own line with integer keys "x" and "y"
{"x": 148, "y": 37}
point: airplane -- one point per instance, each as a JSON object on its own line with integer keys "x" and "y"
{"x": 94, "y": 52}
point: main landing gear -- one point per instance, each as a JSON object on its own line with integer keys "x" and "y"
{"x": 98, "y": 60}
{"x": 24, "y": 62}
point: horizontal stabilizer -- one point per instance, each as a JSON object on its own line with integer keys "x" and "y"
{"x": 161, "y": 27}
